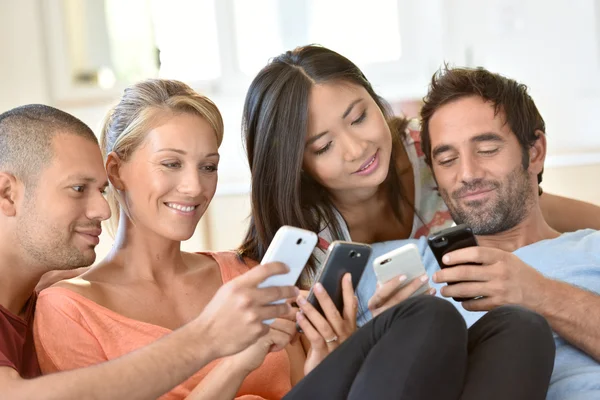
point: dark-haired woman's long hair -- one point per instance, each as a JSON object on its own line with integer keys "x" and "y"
{"x": 274, "y": 128}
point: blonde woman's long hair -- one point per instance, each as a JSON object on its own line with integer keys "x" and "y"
{"x": 127, "y": 124}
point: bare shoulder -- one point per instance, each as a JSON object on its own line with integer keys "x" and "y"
{"x": 77, "y": 285}
{"x": 204, "y": 269}
{"x": 91, "y": 284}
{"x": 224, "y": 260}
{"x": 52, "y": 277}
{"x": 199, "y": 261}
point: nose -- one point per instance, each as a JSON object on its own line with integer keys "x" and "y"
{"x": 469, "y": 169}
{"x": 190, "y": 184}
{"x": 99, "y": 208}
{"x": 354, "y": 147}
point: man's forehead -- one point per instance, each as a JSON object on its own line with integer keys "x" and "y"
{"x": 464, "y": 119}
{"x": 74, "y": 155}
{"x": 67, "y": 145}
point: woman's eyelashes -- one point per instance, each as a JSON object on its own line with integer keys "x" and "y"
{"x": 357, "y": 121}
{"x": 360, "y": 119}
{"x": 171, "y": 164}
{"x": 210, "y": 167}
{"x": 323, "y": 149}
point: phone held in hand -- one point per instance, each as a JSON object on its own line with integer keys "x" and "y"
{"x": 342, "y": 257}
{"x": 292, "y": 247}
{"x": 449, "y": 240}
{"x": 404, "y": 260}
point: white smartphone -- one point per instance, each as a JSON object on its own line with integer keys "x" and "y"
{"x": 405, "y": 260}
{"x": 292, "y": 247}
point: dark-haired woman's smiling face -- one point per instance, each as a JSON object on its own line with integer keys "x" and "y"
{"x": 348, "y": 144}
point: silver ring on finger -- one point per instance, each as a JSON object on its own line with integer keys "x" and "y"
{"x": 333, "y": 339}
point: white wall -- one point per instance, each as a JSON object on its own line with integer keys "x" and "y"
{"x": 552, "y": 46}
{"x": 23, "y": 77}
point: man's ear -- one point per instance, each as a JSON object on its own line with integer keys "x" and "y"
{"x": 537, "y": 154}
{"x": 113, "y": 170}
{"x": 9, "y": 193}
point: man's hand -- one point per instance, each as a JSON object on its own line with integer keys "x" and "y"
{"x": 501, "y": 279}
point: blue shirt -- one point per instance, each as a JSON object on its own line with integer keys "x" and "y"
{"x": 573, "y": 258}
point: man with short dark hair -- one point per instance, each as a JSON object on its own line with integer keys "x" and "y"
{"x": 52, "y": 180}
{"x": 485, "y": 142}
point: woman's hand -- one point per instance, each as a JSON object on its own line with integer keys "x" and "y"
{"x": 234, "y": 318}
{"x": 281, "y": 333}
{"x": 391, "y": 293}
{"x": 226, "y": 378}
{"x": 326, "y": 332}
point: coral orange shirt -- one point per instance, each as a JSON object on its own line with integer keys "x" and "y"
{"x": 72, "y": 331}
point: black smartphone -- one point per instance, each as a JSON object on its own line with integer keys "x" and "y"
{"x": 451, "y": 239}
{"x": 342, "y": 257}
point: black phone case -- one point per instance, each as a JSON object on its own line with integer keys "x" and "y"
{"x": 342, "y": 257}
{"x": 449, "y": 240}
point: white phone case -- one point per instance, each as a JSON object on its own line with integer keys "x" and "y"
{"x": 292, "y": 247}
{"x": 405, "y": 260}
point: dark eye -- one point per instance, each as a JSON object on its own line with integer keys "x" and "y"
{"x": 172, "y": 165}
{"x": 209, "y": 168}
{"x": 79, "y": 188}
{"x": 323, "y": 149}
{"x": 360, "y": 119}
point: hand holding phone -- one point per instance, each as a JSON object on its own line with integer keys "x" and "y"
{"x": 449, "y": 240}
{"x": 327, "y": 330}
{"x": 292, "y": 247}
{"x": 404, "y": 260}
{"x": 342, "y": 257}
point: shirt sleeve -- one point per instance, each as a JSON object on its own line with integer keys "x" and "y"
{"x": 63, "y": 340}
{"x": 5, "y": 361}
